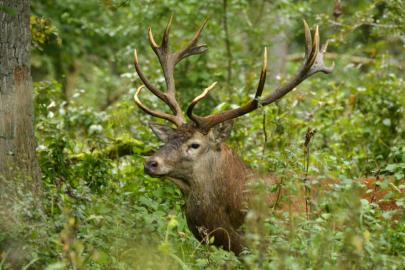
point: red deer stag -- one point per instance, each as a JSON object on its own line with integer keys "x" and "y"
{"x": 211, "y": 177}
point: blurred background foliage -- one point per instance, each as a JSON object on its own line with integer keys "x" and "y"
{"x": 102, "y": 212}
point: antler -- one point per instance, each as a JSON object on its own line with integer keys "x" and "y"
{"x": 168, "y": 61}
{"x": 313, "y": 63}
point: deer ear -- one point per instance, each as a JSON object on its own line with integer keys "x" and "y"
{"x": 221, "y": 132}
{"x": 163, "y": 132}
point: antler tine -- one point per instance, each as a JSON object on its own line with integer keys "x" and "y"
{"x": 168, "y": 117}
{"x": 314, "y": 50}
{"x": 204, "y": 124}
{"x": 165, "y": 40}
{"x": 155, "y": 91}
{"x": 313, "y": 63}
{"x": 191, "y": 48}
{"x": 308, "y": 39}
{"x": 164, "y": 56}
{"x": 190, "y": 114}
{"x": 168, "y": 61}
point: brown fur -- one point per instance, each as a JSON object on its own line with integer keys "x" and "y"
{"x": 378, "y": 194}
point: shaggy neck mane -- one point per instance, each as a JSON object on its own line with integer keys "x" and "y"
{"x": 219, "y": 199}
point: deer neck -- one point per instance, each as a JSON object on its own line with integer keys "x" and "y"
{"x": 218, "y": 181}
{"x": 216, "y": 201}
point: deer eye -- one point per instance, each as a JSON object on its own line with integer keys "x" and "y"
{"x": 195, "y": 145}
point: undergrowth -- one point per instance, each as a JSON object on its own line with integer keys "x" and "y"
{"x": 104, "y": 213}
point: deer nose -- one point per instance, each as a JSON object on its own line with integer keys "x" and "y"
{"x": 149, "y": 166}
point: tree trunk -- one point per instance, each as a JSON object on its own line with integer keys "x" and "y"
{"x": 277, "y": 53}
{"x": 21, "y": 202}
{"x": 71, "y": 79}
{"x": 17, "y": 140}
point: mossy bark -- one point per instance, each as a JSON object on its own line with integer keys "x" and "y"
{"x": 121, "y": 146}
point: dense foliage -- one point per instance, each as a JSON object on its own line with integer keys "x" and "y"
{"x": 102, "y": 212}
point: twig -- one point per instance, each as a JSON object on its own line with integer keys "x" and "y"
{"x": 307, "y": 138}
{"x": 265, "y": 136}
{"x": 388, "y": 26}
{"x": 277, "y": 122}
{"x": 227, "y": 44}
{"x": 334, "y": 56}
{"x": 203, "y": 240}
{"x": 377, "y": 178}
{"x": 116, "y": 6}
{"x": 278, "y": 193}
{"x": 367, "y": 166}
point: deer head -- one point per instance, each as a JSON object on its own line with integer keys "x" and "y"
{"x": 210, "y": 176}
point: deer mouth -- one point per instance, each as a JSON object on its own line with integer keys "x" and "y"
{"x": 152, "y": 173}
{"x": 156, "y": 175}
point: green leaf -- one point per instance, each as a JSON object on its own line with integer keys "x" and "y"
{"x": 387, "y": 215}
{"x": 385, "y": 183}
{"x": 399, "y": 175}
{"x": 364, "y": 202}
{"x": 8, "y": 11}
{"x": 402, "y": 219}
{"x": 201, "y": 262}
{"x": 164, "y": 247}
{"x": 4, "y": 257}
{"x": 100, "y": 257}
{"x": 387, "y": 122}
{"x": 389, "y": 195}
{"x": 56, "y": 266}
{"x": 34, "y": 235}
{"x": 173, "y": 222}
{"x": 179, "y": 261}
{"x": 30, "y": 263}
{"x": 391, "y": 167}
{"x": 145, "y": 201}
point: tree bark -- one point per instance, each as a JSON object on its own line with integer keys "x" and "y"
{"x": 17, "y": 140}
{"x": 21, "y": 193}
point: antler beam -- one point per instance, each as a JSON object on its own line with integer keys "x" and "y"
{"x": 204, "y": 124}
{"x": 313, "y": 63}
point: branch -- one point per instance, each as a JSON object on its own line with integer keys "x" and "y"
{"x": 334, "y": 56}
{"x": 227, "y": 44}
{"x": 388, "y": 26}
{"x": 122, "y": 146}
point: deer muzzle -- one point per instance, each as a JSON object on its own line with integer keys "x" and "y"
{"x": 149, "y": 167}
